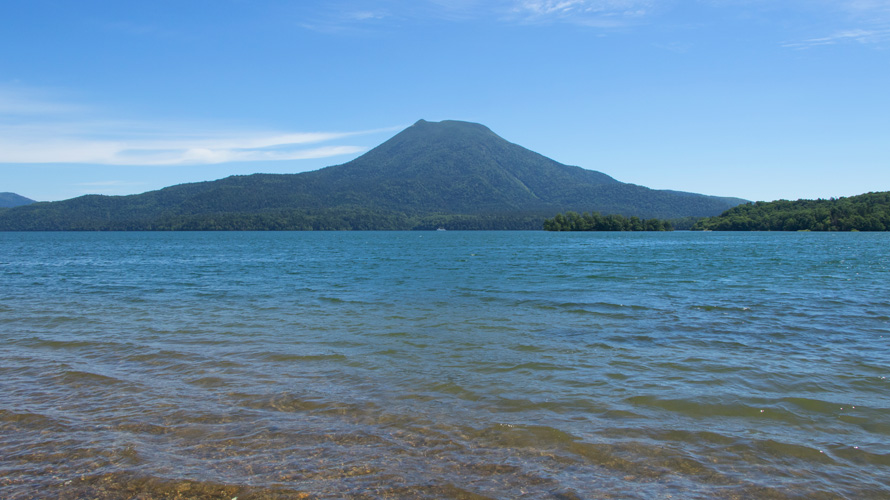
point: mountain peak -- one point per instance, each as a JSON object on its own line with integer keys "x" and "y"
{"x": 449, "y": 124}
{"x": 445, "y": 134}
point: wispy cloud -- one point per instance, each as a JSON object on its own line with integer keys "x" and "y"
{"x": 591, "y": 13}
{"x": 573, "y": 7}
{"x": 862, "y": 36}
{"x": 35, "y": 129}
{"x": 366, "y": 15}
{"x": 861, "y": 22}
{"x": 343, "y": 17}
{"x": 58, "y": 143}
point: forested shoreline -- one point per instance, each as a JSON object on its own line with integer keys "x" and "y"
{"x": 593, "y": 221}
{"x": 866, "y": 212}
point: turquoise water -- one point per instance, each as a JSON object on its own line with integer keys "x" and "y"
{"x": 445, "y": 365}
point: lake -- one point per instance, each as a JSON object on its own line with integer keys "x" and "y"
{"x": 445, "y": 365}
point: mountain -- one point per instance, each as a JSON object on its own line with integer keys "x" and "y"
{"x": 454, "y": 174}
{"x": 8, "y": 200}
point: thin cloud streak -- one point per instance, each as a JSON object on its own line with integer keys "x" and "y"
{"x": 341, "y": 18}
{"x": 206, "y": 156}
{"x": 34, "y": 128}
{"x": 560, "y": 7}
{"x": 861, "y": 36}
{"x": 867, "y": 19}
{"x": 134, "y": 151}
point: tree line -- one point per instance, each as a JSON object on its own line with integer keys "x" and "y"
{"x": 866, "y": 212}
{"x": 593, "y": 221}
{"x": 39, "y": 218}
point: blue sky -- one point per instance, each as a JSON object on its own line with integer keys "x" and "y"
{"x": 751, "y": 98}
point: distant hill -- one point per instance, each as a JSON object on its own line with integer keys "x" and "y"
{"x": 451, "y": 174}
{"x": 9, "y": 200}
{"x": 866, "y": 212}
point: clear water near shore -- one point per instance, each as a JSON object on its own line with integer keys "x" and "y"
{"x": 445, "y": 365}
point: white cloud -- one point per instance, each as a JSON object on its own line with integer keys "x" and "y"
{"x": 862, "y": 36}
{"x": 863, "y": 22}
{"x": 222, "y": 154}
{"x": 39, "y": 145}
{"x": 341, "y": 17}
{"x": 365, "y": 15}
{"x": 354, "y": 17}
{"x": 598, "y": 13}
{"x": 34, "y": 129}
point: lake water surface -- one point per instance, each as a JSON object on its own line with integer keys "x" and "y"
{"x": 444, "y": 365}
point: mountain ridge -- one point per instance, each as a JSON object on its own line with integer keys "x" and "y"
{"x": 10, "y": 200}
{"x": 428, "y": 171}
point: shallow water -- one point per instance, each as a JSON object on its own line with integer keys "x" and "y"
{"x": 444, "y": 365}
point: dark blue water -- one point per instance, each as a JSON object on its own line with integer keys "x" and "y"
{"x": 444, "y": 365}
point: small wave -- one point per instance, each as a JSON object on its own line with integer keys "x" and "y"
{"x": 142, "y": 428}
{"x": 699, "y": 366}
{"x": 532, "y": 366}
{"x": 712, "y": 308}
{"x": 28, "y": 419}
{"x": 785, "y": 451}
{"x": 599, "y": 309}
{"x": 619, "y": 414}
{"x": 494, "y": 328}
{"x": 859, "y": 455}
{"x": 339, "y": 301}
{"x": 396, "y": 334}
{"x": 124, "y": 484}
{"x": 570, "y": 406}
{"x": 601, "y": 345}
{"x": 583, "y": 311}
{"x": 700, "y": 409}
{"x": 603, "y": 306}
{"x": 208, "y": 382}
{"x": 61, "y": 344}
{"x": 815, "y": 405}
{"x": 77, "y": 378}
{"x": 869, "y": 423}
{"x": 331, "y": 300}
{"x": 293, "y": 358}
{"x": 527, "y": 348}
{"x": 452, "y": 389}
{"x": 522, "y": 436}
{"x": 292, "y": 403}
{"x": 609, "y": 277}
{"x": 159, "y": 357}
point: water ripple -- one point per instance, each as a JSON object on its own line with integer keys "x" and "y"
{"x": 469, "y": 365}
